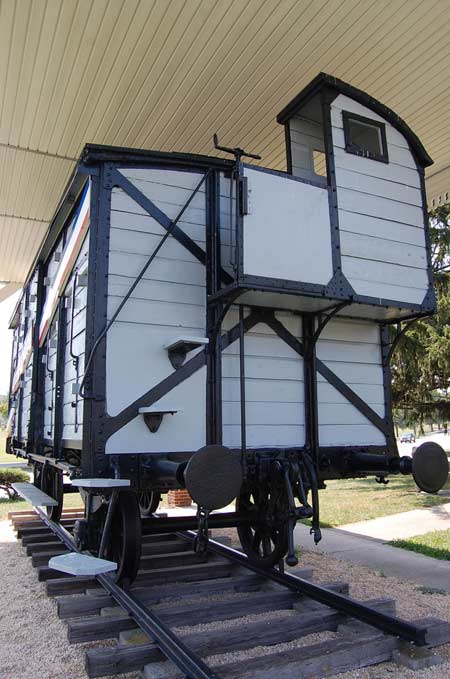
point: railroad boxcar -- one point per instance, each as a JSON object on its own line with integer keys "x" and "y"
{"x": 203, "y": 322}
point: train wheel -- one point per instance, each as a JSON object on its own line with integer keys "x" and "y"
{"x": 124, "y": 546}
{"x": 148, "y": 502}
{"x": 264, "y": 542}
{"x": 51, "y": 481}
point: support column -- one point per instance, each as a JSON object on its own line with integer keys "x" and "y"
{"x": 310, "y": 377}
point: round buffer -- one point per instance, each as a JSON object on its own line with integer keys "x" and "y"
{"x": 213, "y": 477}
{"x": 430, "y": 467}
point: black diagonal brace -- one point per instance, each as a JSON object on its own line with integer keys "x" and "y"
{"x": 331, "y": 377}
{"x": 115, "y": 423}
{"x": 163, "y": 220}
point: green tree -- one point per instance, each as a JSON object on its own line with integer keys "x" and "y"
{"x": 3, "y": 408}
{"x": 421, "y": 362}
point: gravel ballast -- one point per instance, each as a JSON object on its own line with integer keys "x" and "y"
{"x": 33, "y": 641}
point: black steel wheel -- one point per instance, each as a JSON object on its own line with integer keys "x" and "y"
{"x": 51, "y": 483}
{"x": 264, "y": 540}
{"x": 148, "y": 502}
{"x": 124, "y": 546}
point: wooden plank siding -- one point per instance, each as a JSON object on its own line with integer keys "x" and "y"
{"x": 274, "y": 387}
{"x": 73, "y": 406}
{"x": 169, "y": 302}
{"x": 380, "y": 215}
{"x": 306, "y": 137}
{"x": 351, "y": 349}
{"x": 28, "y": 314}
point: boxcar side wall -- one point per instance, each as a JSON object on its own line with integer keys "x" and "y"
{"x": 75, "y": 300}
{"x": 39, "y": 397}
{"x": 22, "y": 362}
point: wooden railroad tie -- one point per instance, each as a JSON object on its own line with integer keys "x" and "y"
{"x": 177, "y": 584}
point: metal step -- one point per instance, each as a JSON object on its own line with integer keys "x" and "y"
{"x": 81, "y": 564}
{"x": 34, "y": 495}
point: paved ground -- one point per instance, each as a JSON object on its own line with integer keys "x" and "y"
{"x": 404, "y": 525}
{"x": 438, "y": 437}
{"x": 390, "y": 561}
{"x": 13, "y": 465}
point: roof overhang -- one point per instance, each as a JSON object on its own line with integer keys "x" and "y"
{"x": 167, "y": 75}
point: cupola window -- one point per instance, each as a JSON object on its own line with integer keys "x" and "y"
{"x": 365, "y": 137}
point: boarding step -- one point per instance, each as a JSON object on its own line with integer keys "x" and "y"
{"x": 81, "y": 564}
{"x": 33, "y": 495}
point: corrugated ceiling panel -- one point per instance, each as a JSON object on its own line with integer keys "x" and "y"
{"x": 439, "y": 185}
{"x": 19, "y": 241}
{"x": 166, "y": 74}
{"x": 30, "y": 183}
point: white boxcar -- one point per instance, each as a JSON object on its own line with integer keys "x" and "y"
{"x": 182, "y": 301}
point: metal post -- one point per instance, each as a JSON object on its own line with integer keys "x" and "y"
{"x": 108, "y": 522}
{"x": 59, "y": 379}
{"x": 310, "y": 376}
{"x": 35, "y": 427}
{"x": 242, "y": 381}
{"x": 213, "y": 313}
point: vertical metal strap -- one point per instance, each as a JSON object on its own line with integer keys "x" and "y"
{"x": 242, "y": 381}
{"x": 35, "y": 428}
{"x": 59, "y": 375}
{"x": 310, "y": 373}
{"x": 213, "y": 313}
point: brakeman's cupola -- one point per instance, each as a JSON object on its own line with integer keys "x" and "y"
{"x": 348, "y": 221}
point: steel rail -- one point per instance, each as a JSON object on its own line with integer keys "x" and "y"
{"x": 386, "y": 623}
{"x": 172, "y": 524}
{"x": 171, "y": 646}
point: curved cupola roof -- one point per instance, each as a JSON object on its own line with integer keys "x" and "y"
{"x": 325, "y": 81}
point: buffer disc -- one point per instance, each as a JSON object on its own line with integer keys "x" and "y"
{"x": 213, "y": 477}
{"x": 430, "y": 467}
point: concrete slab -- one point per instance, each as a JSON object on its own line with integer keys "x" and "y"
{"x": 191, "y": 510}
{"x": 81, "y": 564}
{"x": 14, "y": 465}
{"x": 378, "y": 556}
{"x": 403, "y": 525}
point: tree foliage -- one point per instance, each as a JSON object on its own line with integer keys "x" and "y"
{"x": 3, "y": 407}
{"x": 421, "y": 362}
{"x": 8, "y": 477}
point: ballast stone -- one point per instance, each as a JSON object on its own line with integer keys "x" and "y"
{"x": 81, "y": 564}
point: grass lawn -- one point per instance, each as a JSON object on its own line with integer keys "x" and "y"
{"x": 3, "y": 456}
{"x": 70, "y": 500}
{"x": 436, "y": 544}
{"x": 355, "y": 500}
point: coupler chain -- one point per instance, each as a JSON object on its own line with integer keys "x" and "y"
{"x": 201, "y": 539}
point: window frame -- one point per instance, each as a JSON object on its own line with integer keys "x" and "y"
{"x": 348, "y": 116}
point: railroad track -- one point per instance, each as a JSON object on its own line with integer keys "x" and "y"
{"x": 240, "y": 608}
